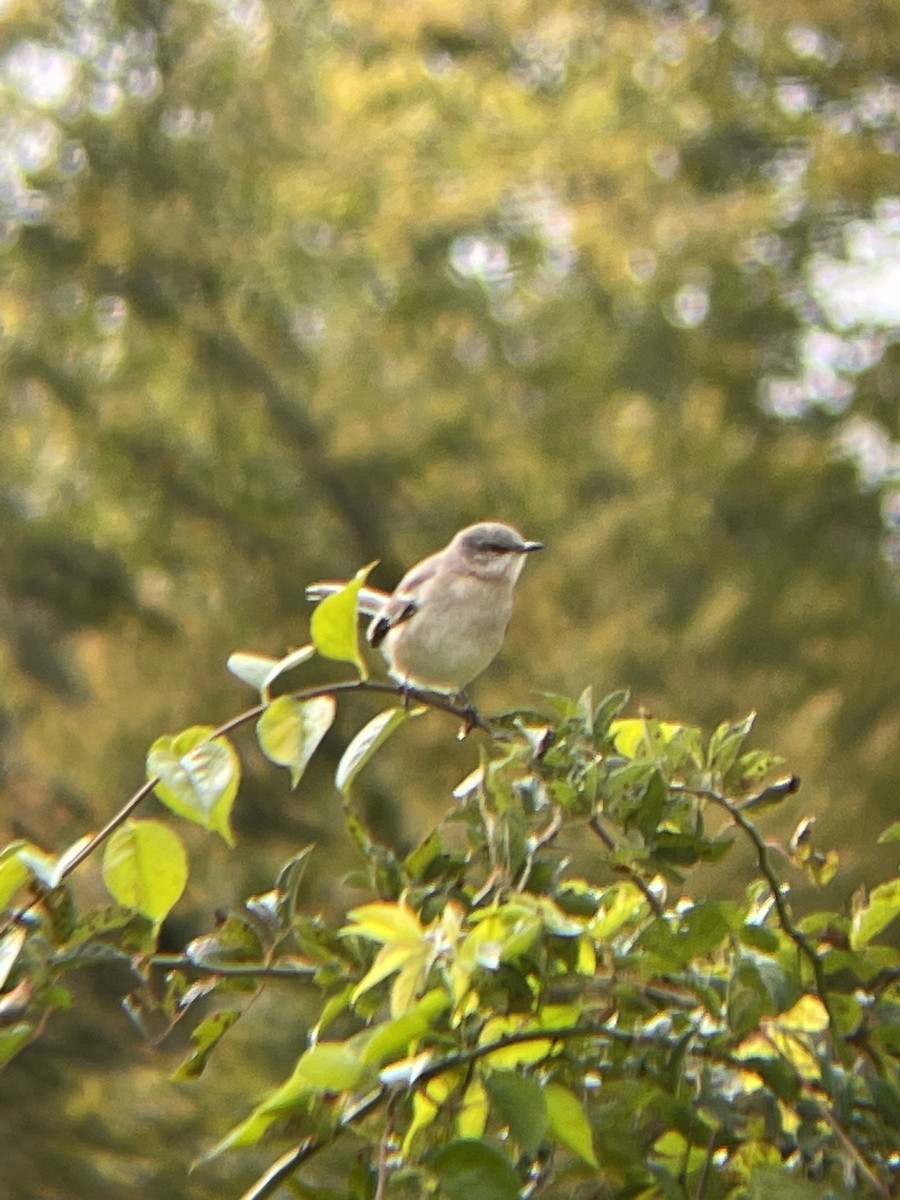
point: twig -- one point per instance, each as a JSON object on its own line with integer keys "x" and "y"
{"x": 707, "y": 1164}
{"x": 233, "y": 970}
{"x": 639, "y": 882}
{"x": 782, "y": 907}
{"x": 879, "y": 1188}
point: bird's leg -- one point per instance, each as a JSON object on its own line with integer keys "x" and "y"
{"x": 471, "y": 715}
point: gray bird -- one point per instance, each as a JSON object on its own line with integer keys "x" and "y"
{"x": 446, "y": 620}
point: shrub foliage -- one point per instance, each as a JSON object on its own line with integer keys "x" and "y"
{"x": 492, "y": 1020}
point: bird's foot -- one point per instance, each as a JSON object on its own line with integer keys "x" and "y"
{"x": 471, "y": 717}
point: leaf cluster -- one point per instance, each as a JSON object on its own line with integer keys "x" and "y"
{"x": 487, "y": 1020}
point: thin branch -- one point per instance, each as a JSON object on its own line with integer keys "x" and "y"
{"x": 782, "y": 907}
{"x": 877, "y": 1186}
{"x": 384, "y": 1143}
{"x": 234, "y": 970}
{"x": 700, "y": 1191}
{"x": 469, "y": 716}
{"x": 638, "y": 880}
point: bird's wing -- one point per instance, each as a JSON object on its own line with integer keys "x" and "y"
{"x": 398, "y": 609}
{"x": 370, "y": 603}
{"x": 404, "y": 603}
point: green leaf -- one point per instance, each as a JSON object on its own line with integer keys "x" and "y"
{"x": 235, "y": 940}
{"x": 289, "y": 731}
{"x": 674, "y": 1152}
{"x": 396, "y": 1038}
{"x": 385, "y": 921}
{"x": 887, "y": 1097}
{"x": 704, "y": 926}
{"x": 642, "y": 737}
{"x": 622, "y": 905}
{"x": 753, "y": 767}
{"x": 421, "y": 861}
{"x": 768, "y": 1180}
{"x": 14, "y": 873}
{"x": 520, "y": 1102}
{"x": 808, "y": 1015}
{"x": 261, "y": 670}
{"x": 247, "y": 1133}
{"x": 198, "y": 777}
{"x": 13, "y": 1039}
{"x": 607, "y": 710}
{"x": 328, "y": 1067}
{"x": 253, "y": 669}
{"x": 774, "y": 793}
{"x": 525, "y": 1053}
{"x": 469, "y": 1168}
{"x": 288, "y": 883}
{"x": 10, "y": 947}
{"x": 372, "y": 736}
{"x": 145, "y": 867}
{"x": 777, "y": 1074}
{"x": 647, "y": 815}
{"x": 325, "y": 1067}
{"x": 760, "y": 937}
{"x": 333, "y": 1007}
{"x": 333, "y": 625}
{"x": 870, "y": 919}
{"x": 891, "y": 834}
{"x": 568, "y": 1122}
{"x": 205, "y": 1037}
{"x": 847, "y": 1013}
{"x": 748, "y": 998}
{"x": 725, "y": 744}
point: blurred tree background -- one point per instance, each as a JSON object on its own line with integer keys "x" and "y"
{"x": 290, "y": 286}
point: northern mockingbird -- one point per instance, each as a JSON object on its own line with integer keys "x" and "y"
{"x": 447, "y": 618}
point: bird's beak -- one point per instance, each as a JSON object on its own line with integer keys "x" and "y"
{"x": 527, "y": 547}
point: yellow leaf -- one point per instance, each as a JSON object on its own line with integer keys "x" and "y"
{"x": 808, "y": 1015}
{"x": 473, "y": 1113}
{"x": 333, "y": 625}
{"x": 289, "y": 731}
{"x": 384, "y": 922}
{"x": 567, "y": 1121}
{"x": 145, "y": 867}
{"x": 198, "y": 775}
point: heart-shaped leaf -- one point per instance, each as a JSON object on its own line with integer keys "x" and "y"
{"x": 145, "y": 867}
{"x": 290, "y": 730}
{"x": 261, "y": 671}
{"x": 198, "y": 777}
{"x": 333, "y": 625}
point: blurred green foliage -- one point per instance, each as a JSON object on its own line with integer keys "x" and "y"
{"x": 291, "y": 286}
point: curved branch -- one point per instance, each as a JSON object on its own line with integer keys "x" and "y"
{"x": 785, "y": 917}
